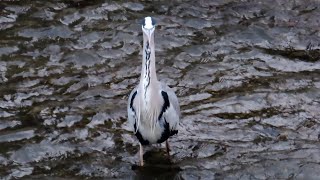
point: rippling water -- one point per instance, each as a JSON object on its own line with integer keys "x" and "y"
{"x": 247, "y": 75}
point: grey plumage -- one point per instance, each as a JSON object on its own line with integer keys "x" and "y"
{"x": 153, "y": 107}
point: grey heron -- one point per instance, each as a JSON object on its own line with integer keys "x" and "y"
{"x": 153, "y": 107}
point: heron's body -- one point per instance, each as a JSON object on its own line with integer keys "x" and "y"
{"x": 153, "y": 107}
{"x": 159, "y": 114}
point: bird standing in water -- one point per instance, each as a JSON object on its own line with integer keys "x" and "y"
{"x": 153, "y": 107}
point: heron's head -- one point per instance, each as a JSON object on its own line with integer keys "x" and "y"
{"x": 148, "y": 27}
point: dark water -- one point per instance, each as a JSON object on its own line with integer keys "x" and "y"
{"x": 247, "y": 75}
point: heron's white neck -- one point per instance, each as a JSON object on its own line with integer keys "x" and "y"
{"x": 148, "y": 79}
{"x": 149, "y": 86}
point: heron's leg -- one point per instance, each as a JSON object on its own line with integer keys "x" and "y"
{"x": 168, "y": 147}
{"x": 141, "y": 154}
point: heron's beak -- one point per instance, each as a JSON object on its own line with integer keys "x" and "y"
{"x": 149, "y": 34}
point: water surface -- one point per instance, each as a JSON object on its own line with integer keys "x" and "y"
{"x": 247, "y": 75}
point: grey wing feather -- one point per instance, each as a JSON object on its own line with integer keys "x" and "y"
{"x": 172, "y": 97}
{"x": 172, "y": 115}
{"x": 132, "y": 109}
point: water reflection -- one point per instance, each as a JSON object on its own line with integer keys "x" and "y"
{"x": 157, "y": 166}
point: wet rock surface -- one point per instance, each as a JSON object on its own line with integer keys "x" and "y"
{"x": 247, "y": 75}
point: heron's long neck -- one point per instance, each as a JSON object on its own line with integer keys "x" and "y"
{"x": 148, "y": 78}
{"x": 149, "y": 86}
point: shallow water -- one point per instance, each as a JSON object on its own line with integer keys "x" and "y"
{"x": 247, "y": 75}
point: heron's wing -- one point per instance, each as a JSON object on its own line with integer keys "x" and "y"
{"x": 172, "y": 97}
{"x": 171, "y": 111}
{"x": 133, "y": 109}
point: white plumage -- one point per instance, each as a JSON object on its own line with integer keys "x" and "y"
{"x": 148, "y": 23}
